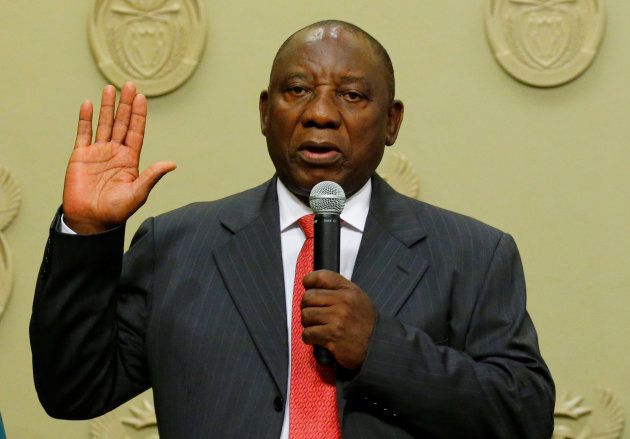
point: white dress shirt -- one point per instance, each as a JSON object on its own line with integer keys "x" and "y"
{"x": 353, "y": 219}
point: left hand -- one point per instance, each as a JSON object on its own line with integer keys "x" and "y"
{"x": 337, "y": 315}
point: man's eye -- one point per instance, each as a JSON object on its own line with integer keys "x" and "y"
{"x": 297, "y": 91}
{"x": 352, "y": 96}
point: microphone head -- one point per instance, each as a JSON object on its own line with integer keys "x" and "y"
{"x": 327, "y": 197}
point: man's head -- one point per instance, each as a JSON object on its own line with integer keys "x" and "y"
{"x": 329, "y": 110}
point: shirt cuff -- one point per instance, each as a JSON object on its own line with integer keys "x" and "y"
{"x": 63, "y": 228}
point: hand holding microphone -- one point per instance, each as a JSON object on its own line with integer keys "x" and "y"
{"x": 327, "y": 200}
{"x": 338, "y": 317}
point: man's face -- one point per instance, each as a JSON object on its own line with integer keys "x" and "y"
{"x": 327, "y": 114}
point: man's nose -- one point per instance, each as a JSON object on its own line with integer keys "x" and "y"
{"x": 322, "y": 111}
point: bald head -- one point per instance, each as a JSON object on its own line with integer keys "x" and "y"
{"x": 321, "y": 29}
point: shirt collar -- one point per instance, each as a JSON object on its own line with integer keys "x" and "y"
{"x": 354, "y": 213}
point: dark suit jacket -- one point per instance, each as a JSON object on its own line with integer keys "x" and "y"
{"x": 196, "y": 310}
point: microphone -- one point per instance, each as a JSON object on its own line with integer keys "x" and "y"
{"x": 327, "y": 199}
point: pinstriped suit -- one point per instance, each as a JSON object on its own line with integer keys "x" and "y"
{"x": 196, "y": 310}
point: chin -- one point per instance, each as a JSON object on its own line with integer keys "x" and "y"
{"x": 302, "y": 183}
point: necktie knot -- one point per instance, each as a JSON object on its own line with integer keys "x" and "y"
{"x": 307, "y": 226}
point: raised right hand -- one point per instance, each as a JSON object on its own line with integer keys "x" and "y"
{"x": 103, "y": 186}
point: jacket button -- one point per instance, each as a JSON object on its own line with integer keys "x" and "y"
{"x": 278, "y": 403}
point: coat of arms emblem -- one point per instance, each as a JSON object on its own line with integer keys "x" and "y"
{"x": 545, "y": 42}
{"x": 156, "y": 43}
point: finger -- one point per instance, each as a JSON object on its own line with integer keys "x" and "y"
{"x": 319, "y": 297}
{"x": 314, "y": 316}
{"x": 84, "y": 127}
{"x": 315, "y": 335}
{"x": 106, "y": 114}
{"x": 149, "y": 178}
{"x": 135, "y": 134}
{"x": 325, "y": 279}
{"x": 123, "y": 112}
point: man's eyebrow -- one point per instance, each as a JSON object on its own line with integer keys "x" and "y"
{"x": 294, "y": 75}
{"x": 349, "y": 79}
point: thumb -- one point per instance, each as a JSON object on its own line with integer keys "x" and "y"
{"x": 149, "y": 178}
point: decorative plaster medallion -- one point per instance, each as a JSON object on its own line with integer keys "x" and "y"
{"x": 111, "y": 426}
{"x": 398, "y": 171}
{"x": 10, "y": 198}
{"x": 545, "y": 43}
{"x": 604, "y": 420}
{"x": 155, "y": 43}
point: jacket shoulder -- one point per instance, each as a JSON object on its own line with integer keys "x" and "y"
{"x": 393, "y": 207}
{"x": 439, "y": 218}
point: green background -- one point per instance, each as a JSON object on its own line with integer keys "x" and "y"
{"x": 550, "y": 166}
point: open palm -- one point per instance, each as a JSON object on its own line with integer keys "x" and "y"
{"x": 103, "y": 186}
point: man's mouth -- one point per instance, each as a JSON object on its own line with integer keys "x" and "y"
{"x": 319, "y": 153}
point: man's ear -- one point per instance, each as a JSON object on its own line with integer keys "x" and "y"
{"x": 394, "y": 119}
{"x": 262, "y": 108}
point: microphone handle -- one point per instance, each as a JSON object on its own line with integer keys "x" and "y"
{"x": 327, "y": 232}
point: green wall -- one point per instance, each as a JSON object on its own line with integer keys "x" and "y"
{"x": 549, "y": 166}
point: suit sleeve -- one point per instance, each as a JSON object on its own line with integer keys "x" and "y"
{"x": 88, "y": 323}
{"x": 498, "y": 386}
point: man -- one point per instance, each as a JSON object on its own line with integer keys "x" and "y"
{"x": 430, "y": 336}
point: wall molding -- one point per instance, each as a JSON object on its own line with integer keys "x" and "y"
{"x": 141, "y": 423}
{"x": 10, "y": 200}
{"x": 155, "y": 43}
{"x": 398, "y": 171}
{"x": 605, "y": 419}
{"x": 545, "y": 43}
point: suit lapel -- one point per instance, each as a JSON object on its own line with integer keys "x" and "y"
{"x": 388, "y": 267}
{"x": 251, "y": 266}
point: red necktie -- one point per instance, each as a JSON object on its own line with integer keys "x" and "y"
{"x": 313, "y": 401}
